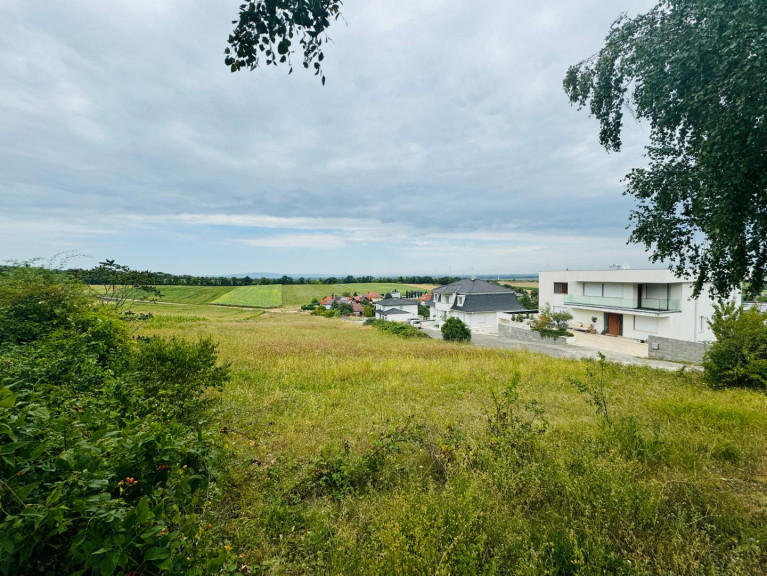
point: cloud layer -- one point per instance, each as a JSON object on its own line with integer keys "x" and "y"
{"x": 442, "y": 141}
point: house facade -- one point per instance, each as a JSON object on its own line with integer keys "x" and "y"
{"x": 475, "y": 302}
{"x": 638, "y": 304}
{"x": 397, "y": 309}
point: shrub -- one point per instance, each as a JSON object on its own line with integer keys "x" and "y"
{"x": 551, "y": 324}
{"x": 454, "y": 330}
{"x": 397, "y": 328}
{"x": 739, "y": 355}
{"x": 106, "y": 462}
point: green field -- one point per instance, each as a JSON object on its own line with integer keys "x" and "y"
{"x": 256, "y": 296}
{"x": 193, "y": 294}
{"x": 357, "y": 452}
{"x": 298, "y": 294}
{"x": 269, "y": 296}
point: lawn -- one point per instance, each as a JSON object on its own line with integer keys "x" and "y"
{"x": 356, "y": 452}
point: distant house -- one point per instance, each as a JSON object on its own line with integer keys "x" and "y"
{"x": 397, "y": 309}
{"x": 425, "y": 298}
{"x": 373, "y": 296}
{"x": 327, "y": 302}
{"x": 357, "y": 309}
{"x": 475, "y": 302}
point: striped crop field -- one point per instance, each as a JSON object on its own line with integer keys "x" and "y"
{"x": 298, "y": 294}
{"x": 269, "y": 296}
{"x": 193, "y": 294}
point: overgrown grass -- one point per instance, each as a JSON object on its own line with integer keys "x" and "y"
{"x": 364, "y": 453}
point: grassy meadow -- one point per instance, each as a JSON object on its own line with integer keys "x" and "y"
{"x": 357, "y": 452}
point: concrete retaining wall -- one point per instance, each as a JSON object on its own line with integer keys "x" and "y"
{"x": 676, "y": 350}
{"x": 529, "y": 335}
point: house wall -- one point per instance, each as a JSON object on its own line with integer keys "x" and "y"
{"x": 689, "y": 324}
{"x": 411, "y": 309}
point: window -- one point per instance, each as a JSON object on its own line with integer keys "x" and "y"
{"x": 613, "y": 290}
{"x": 460, "y": 300}
{"x": 592, "y": 289}
{"x": 560, "y": 287}
{"x": 656, "y": 291}
{"x": 703, "y": 324}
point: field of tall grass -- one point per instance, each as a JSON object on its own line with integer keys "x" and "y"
{"x": 358, "y": 452}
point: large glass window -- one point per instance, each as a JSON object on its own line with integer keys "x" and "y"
{"x": 560, "y": 287}
{"x": 592, "y": 289}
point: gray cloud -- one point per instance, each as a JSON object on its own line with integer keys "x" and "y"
{"x": 123, "y": 133}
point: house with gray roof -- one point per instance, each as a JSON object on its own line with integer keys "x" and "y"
{"x": 397, "y": 309}
{"x": 475, "y": 302}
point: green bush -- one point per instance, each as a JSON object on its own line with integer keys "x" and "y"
{"x": 453, "y": 330}
{"x": 739, "y": 355}
{"x": 106, "y": 465}
{"x": 397, "y": 328}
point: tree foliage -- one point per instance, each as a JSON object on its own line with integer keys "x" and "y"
{"x": 739, "y": 355}
{"x": 270, "y": 30}
{"x": 696, "y": 71}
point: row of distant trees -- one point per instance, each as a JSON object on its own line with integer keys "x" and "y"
{"x": 109, "y": 273}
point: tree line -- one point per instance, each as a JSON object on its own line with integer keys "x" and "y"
{"x": 108, "y": 272}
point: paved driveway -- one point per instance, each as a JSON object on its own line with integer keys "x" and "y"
{"x": 573, "y": 351}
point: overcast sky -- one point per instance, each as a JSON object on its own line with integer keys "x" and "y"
{"x": 442, "y": 142}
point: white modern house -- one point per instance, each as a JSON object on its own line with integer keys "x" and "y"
{"x": 638, "y": 304}
{"x": 397, "y": 309}
{"x": 474, "y": 302}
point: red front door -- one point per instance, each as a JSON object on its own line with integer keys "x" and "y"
{"x": 614, "y": 324}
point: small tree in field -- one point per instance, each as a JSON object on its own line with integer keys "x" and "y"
{"x": 453, "y": 330}
{"x": 739, "y": 355}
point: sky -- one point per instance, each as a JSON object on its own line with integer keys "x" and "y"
{"x": 442, "y": 142}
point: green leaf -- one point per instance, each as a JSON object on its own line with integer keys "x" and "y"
{"x": 109, "y": 563}
{"x": 156, "y": 553}
{"x": 7, "y": 398}
{"x": 283, "y": 46}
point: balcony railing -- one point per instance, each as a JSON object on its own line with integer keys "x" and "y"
{"x": 665, "y": 305}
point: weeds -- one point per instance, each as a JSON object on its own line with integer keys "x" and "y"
{"x": 595, "y": 386}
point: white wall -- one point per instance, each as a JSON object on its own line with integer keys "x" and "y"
{"x": 689, "y": 324}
